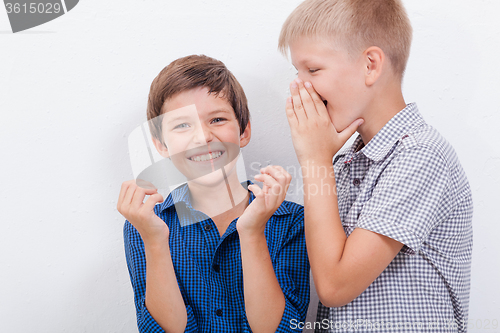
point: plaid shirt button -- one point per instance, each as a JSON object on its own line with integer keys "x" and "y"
{"x": 216, "y": 268}
{"x": 219, "y": 312}
{"x": 356, "y": 182}
{"x": 207, "y": 227}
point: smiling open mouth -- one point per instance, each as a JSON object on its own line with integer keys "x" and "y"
{"x": 206, "y": 157}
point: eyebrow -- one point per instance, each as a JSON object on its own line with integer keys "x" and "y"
{"x": 219, "y": 111}
{"x": 179, "y": 117}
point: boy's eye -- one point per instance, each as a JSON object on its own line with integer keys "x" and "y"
{"x": 313, "y": 70}
{"x": 183, "y": 125}
{"x": 218, "y": 120}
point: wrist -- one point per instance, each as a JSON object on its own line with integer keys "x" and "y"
{"x": 251, "y": 234}
{"x": 317, "y": 169}
{"x": 156, "y": 240}
{"x": 317, "y": 161}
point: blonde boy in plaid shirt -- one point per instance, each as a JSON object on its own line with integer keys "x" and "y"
{"x": 389, "y": 223}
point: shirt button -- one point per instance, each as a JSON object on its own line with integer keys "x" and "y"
{"x": 219, "y": 312}
{"x": 207, "y": 227}
{"x": 356, "y": 182}
{"x": 216, "y": 268}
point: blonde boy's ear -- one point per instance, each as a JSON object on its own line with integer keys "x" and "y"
{"x": 246, "y": 135}
{"x": 161, "y": 148}
{"x": 375, "y": 62}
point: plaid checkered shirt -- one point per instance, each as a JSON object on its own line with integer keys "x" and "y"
{"x": 407, "y": 184}
{"x": 209, "y": 270}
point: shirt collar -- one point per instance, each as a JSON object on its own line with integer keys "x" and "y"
{"x": 395, "y": 130}
{"x": 181, "y": 195}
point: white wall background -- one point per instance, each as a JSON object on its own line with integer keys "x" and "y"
{"x": 73, "y": 89}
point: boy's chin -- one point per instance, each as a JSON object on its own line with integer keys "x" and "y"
{"x": 215, "y": 180}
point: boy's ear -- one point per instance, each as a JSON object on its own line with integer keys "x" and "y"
{"x": 374, "y": 59}
{"x": 245, "y": 136}
{"x": 161, "y": 148}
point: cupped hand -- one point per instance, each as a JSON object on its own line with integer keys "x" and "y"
{"x": 314, "y": 136}
{"x": 267, "y": 200}
{"x": 141, "y": 214}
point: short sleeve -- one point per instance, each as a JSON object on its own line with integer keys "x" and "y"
{"x": 409, "y": 198}
{"x": 292, "y": 272}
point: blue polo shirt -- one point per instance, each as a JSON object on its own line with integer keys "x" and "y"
{"x": 209, "y": 270}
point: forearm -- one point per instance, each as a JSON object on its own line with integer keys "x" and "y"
{"x": 163, "y": 297}
{"x": 325, "y": 236}
{"x": 342, "y": 267}
{"x": 264, "y": 300}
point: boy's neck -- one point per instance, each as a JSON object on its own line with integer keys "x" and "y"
{"x": 383, "y": 107}
{"x": 222, "y": 202}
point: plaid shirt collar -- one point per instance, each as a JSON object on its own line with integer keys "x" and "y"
{"x": 181, "y": 194}
{"x": 381, "y": 144}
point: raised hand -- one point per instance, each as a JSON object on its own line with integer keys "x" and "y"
{"x": 132, "y": 206}
{"x": 267, "y": 200}
{"x": 314, "y": 136}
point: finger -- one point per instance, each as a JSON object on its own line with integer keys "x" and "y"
{"x": 279, "y": 174}
{"x": 350, "y": 130}
{"x": 265, "y": 187}
{"x": 152, "y": 201}
{"x": 257, "y": 192}
{"x": 145, "y": 184}
{"x": 307, "y": 100}
{"x": 123, "y": 192}
{"x": 297, "y": 103}
{"x": 290, "y": 113}
{"x": 284, "y": 179}
{"x": 139, "y": 195}
{"x": 318, "y": 102}
{"x": 267, "y": 180}
{"x": 127, "y": 200}
{"x": 288, "y": 177}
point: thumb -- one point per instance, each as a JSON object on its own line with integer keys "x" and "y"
{"x": 152, "y": 201}
{"x": 350, "y": 130}
{"x": 256, "y": 190}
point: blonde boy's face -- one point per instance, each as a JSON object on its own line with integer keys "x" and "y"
{"x": 339, "y": 80}
{"x": 202, "y": 135}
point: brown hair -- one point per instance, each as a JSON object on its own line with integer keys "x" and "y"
{"x": 355, "y": 25}
{"x": 192, "y": 72}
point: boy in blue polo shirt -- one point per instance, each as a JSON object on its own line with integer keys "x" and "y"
{"x": 389, "y": 223}
{"x": 215, "y": 256}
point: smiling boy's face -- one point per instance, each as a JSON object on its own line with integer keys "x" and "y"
{"x": 337, "y": 78}
{"x": 201, "y": 134}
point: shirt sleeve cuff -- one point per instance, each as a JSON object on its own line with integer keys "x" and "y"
{"x": 147, "y": 324}
{"x": 290, "y": 315}
{"x": 410, "y": 240}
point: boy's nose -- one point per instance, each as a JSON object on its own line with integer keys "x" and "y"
{"x": 203, "y": 135}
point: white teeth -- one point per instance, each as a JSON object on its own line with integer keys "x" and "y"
{"x": 206, "y": 157}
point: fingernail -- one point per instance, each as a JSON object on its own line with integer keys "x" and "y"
{"x": 294, "y": 85}
{"x": 308, "y": 84}
{"x": 298, "y": 80}
{"x": 289, "y": 100}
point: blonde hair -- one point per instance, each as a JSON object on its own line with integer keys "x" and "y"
{"x": 354, "y": 25}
